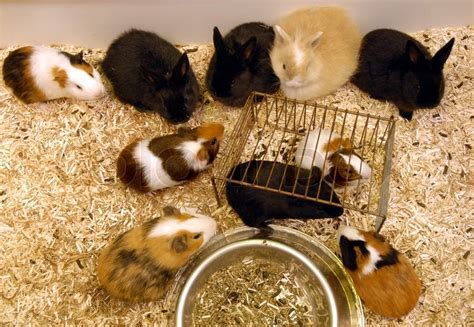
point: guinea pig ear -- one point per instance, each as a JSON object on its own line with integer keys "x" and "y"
{"x": 442, "y": 55}
{"x": 181, "y": 69}
{"x": 79, "y": 57}
{"x": 248, "y": 49}
{"x": 219, "y": 43}
{"x": 179, "y": 244}
{"x": 413, "y": 52}
{"x": 170, "y": 211}
{"x": 185, "y": 131}
{"x": 281, "y": 35}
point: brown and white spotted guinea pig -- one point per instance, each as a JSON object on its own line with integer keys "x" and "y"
{"x": 384, "y": 278}
{"x": 141, "y": 263}
{"x": 153, "y": 164}
{"x": 37, "y": 73}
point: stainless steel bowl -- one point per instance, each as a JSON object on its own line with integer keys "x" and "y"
{"x": 313, "y": 263}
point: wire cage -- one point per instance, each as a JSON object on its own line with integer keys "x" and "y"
{"x": 271, "y": 129}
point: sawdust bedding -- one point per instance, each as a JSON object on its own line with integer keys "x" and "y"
{"x": 61, "y": 203}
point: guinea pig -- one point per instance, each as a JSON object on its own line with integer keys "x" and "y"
{"x": 149, "y": 73}
{"x": 384, "y": 278}
{"x": 257, "y": 206}
{"x": 347, "y": 170}
{"x": 37, "y": 73}
{"x": 327, "y": 150}
{"x": 315, "y": 51}
{"x": 240, "y": 64}
{"x": 142, "y": 262}
{"x": 153, "y": 164}
{"x": 395, "y": 67}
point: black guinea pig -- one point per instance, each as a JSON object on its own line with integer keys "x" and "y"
{"x": 395, "y": 67}
{"x": 149, "y": 73}
{"x": 241, "y": 64}
{"x": 257, "y": 206}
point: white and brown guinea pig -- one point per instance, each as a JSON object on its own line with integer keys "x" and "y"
{"x": 153, "y": 164}
{"x": 335, "y": 156}
{"x": 37, "y": 73}
{"x": 384, "y": 278}
{"x": 141, "y": 263}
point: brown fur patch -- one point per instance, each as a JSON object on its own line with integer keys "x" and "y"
{"x": 341, "y": 173}
{"x": 60, "y": 76}
{"x": 337, "y": 144}
{"x": 18, "y": 77}
{"x": 391, "y": 291}
{"x": 209, "y": 131}
{"x": 129, "y": 170}
{"x": 85, "y": 67}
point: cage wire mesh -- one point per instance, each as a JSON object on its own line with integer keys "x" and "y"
{"x": 271, "y": 129}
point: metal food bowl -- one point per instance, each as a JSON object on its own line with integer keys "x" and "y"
{"x": 319, "y": 271}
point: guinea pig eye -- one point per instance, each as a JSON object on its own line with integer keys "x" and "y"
{"x": 197, "y": 236}
{"x": 213, "y": 141}
{"x": 79, "y": 87}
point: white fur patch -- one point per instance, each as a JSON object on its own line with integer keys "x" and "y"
{"x": 190, "y": 149}
{"x": 358, "y": 164}
{"x": 155, "y": 176}
{"x": 351, "y": 233}
{"x": 374, "y": 257}
{"x": 298, "y": 53}
{"x": 197, "y": 224}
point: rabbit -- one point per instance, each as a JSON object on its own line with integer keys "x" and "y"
{"x": 141, "y": 263}
{"x": 395, "y": 67}
{"x": 240, "y": 64}
{"x": 149, "y": 73}
{"x": 383, "y": 277}
{"x": 153, "y": 164}
{"x": 257, "y": 206}
{"x": 315, "y": 51}
{"x": 342, "y": 167}
{"x": 38, "y": 73}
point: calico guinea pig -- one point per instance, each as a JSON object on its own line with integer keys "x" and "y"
{"x": 334, "y": 155}
{"x": 153, "y": 164}
{"x": 315, "y": 51}
{"x": 240, "y": 64}
{"x": 142, "y": 262}
{"x": 257, "y": 206}
{"x": 384, "y": 278}
{"x": 395, "y": 67}
{"x": 149, "y": 73}
{"x": 37, "y": 73}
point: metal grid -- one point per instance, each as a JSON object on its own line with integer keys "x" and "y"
{"x": 271, "y": 129}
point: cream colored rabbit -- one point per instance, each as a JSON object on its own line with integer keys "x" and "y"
{"x": 315, "y": 51}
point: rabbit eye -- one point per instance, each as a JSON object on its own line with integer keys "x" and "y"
{"x": 79, "y": 87}
{"x": 284, "y": 66}
{"x": 197, "y": 236}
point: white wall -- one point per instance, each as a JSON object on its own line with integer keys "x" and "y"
{"x": 92, "y": 23}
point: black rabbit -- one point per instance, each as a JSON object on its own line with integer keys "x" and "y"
{"x": 394, "y": 66}
{"x": 257, "y": 206}
{"x": 152, "y": 75}
{"x": 241, "y": 64}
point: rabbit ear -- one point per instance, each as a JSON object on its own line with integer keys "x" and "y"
{"x": 181, "y": 69}
{"x": 413, "y": 52}
{"x": 315, "y": 39}
{"x": 219, "y": 44}
{"x": 281, "y": 34}
{"x": 442, "y": 55}
{"x": 248, "y": 49}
